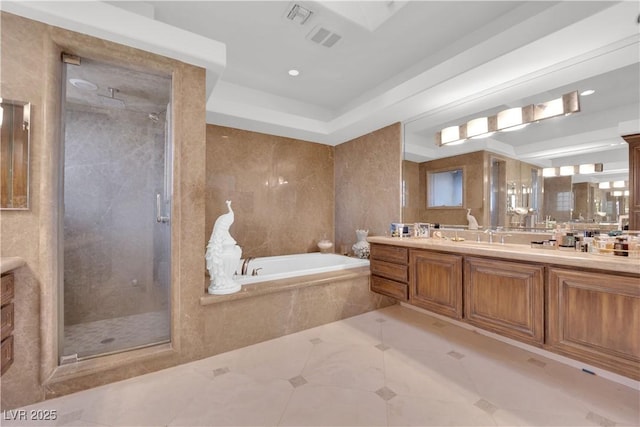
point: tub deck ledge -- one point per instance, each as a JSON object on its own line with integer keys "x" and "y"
{"x": 282, "y": 285}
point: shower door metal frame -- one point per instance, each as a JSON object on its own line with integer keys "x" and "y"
{"x": 165, "y": 208}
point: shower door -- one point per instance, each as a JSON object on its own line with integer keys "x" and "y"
{"x": 116, "y": 194}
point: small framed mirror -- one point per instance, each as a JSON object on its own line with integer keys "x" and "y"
{"x": 445, "y": 188}
{"x": 15, "y": 121}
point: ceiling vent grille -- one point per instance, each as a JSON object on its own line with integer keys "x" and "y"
{"x": 324, "y": 36}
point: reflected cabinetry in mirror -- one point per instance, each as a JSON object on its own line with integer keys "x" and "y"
{"x": 14, "y": 155}
{"x": 634, "y": 180}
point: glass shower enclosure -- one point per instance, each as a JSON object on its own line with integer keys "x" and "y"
{"x": 117, "y": 199}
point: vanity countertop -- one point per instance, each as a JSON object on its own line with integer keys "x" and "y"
{"x": 8, "y": 263}
{"x": 518, "y": 252}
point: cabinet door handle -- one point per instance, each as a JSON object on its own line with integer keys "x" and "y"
{"x": 159, "y": 217}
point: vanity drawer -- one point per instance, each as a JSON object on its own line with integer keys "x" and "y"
{"x": 6, "y": 354}
{"x": 390, "y": 253}
{"x": 6, "y": 314}
{"x": 7, "y": 291}
{"x": 390, "y": 270}
{"x": 390, "y": 288}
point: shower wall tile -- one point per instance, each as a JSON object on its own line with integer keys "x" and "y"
{"x": 281, "y": 190}
{"x": 368, "y": 173}
{"x": 113, "y": 169}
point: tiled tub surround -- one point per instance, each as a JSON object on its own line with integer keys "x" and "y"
{"x": 265, "y": 310}
{"x": 282, "y": 190}
{"x": 389, "y": 367}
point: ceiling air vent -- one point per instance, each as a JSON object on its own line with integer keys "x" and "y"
{"x": 299, "y": 14}
{"x": 324, "y": 36}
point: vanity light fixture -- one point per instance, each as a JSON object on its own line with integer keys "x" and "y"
{"x": 572, "y": 170}
{"x": 451, "y": 135}
{"x": 567, "y": 170}
{"x": 482, "y": 127}
{"x": 514, "y": 118}
{"x": 509, "y": 120}
{"x": 590, "y": 168}
{"x": 563, "y": 106}
{"x": 620, "y": 193}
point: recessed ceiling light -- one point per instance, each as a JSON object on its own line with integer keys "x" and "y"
{"x": 293, "y": 72}
{"x": 83, "y": 84}
{"x": 587, "y": 92}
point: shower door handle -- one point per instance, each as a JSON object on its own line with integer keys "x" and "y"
{"x": 159, "y": 217}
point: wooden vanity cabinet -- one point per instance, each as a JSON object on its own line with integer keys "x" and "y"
{"x": 7, "y": 316}
{"x": 435, "y": 282}
{"x": 505, "y": 297}
{"x": 595, "y": 318}
{"x": 389, "y": 270}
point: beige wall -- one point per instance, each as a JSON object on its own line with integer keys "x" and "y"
{"x": 281, "y": 190}
{"x": 368, "y": 173}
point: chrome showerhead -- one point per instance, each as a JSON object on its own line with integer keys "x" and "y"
{"x": 111, "y": 100}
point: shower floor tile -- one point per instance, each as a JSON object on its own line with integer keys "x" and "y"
{"x": 337, "y": 375}
{"x": 109, "y": 335}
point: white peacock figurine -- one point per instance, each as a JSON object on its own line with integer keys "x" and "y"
{"x": 473, "y": 223}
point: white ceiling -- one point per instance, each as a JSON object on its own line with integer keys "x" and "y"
{"x": 427, "y": 64}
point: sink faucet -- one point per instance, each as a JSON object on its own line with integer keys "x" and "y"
{"x": 245, "y": 265}
{"x": 491, "y": 233}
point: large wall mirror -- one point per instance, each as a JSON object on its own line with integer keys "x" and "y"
{"x": 15, "y": 121}
{"x": 515, "y": 193}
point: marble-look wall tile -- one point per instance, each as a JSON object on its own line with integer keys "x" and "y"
{"x": 368, "y": 174}
{"x": 413, "y": 196}
{"x": 281, "y": 189}
{"x": 234, "y": 324}
{"x": 558, "y": 198}
{"x": 20, "y": 230}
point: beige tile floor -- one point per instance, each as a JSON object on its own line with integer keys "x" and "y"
{"x": 390, "y": 367}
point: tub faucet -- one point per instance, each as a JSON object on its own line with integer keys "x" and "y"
{"x": 245, "y": 265}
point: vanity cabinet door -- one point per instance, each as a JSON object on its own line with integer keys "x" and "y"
{"x": 506, "y": 298}
{"x": 595, "y": 318}
{"x": 435, "y": 282}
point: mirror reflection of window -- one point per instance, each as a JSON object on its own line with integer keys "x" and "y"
{"x": 445, "y": 188}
